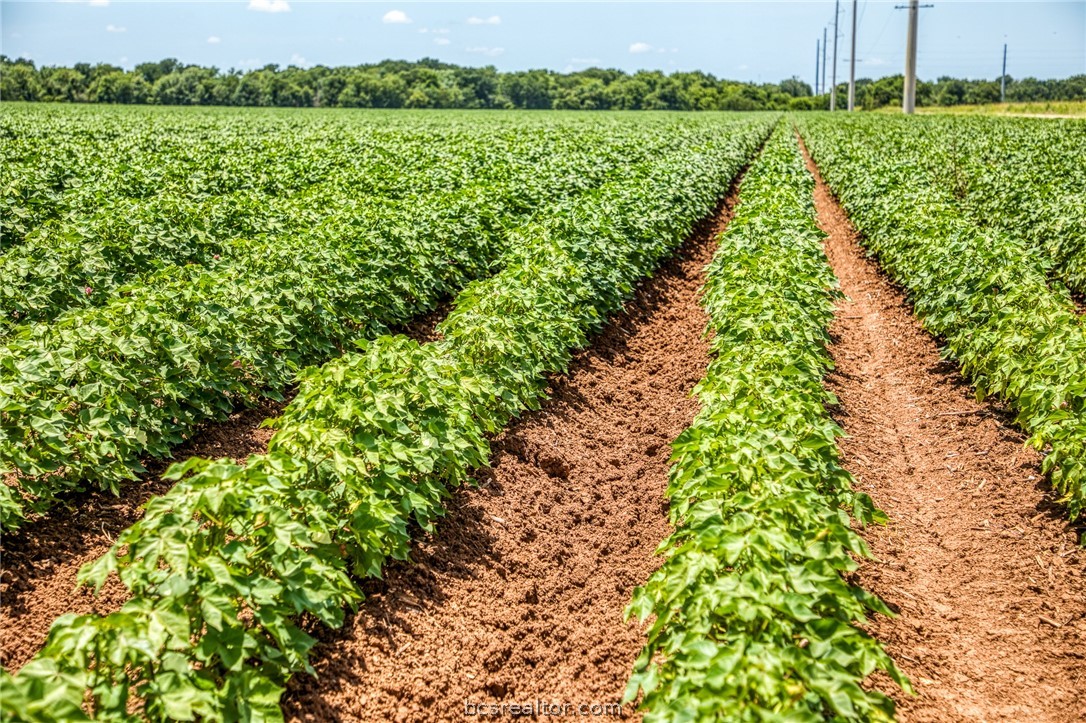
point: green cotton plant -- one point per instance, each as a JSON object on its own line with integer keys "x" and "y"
{"x": 984, "y": 291}
{"x": 82, "y": 259}
{"x": 88, "y": 397}
{"x": 223, "y": 567}
{"x": 1022, "y": 176}
{"x": 96, "y": 200}
{"x": 752, "y": 619}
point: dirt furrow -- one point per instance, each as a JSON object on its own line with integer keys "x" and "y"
{"x": 41, "y": 560}
{"x": 978, "y": 557}
{"x": 519, "y": 596}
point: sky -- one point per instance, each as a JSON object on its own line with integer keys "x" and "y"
{"x": 750, "y": 41}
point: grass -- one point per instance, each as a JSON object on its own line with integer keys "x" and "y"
{"x": 1074, "y": 108}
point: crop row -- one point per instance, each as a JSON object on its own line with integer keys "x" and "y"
{"x": 81, "y": 257}
{"x": 224, "y": 566}
{"x": 59, "y": 165}
{"x": 1023, "y": 176}
{"x": 86, "y": 397}
{"x": 1026, "y": 176}
{"x": 751, "y": 617}
{"x": 62, "y": 163}
{"x": 983, "y": 290}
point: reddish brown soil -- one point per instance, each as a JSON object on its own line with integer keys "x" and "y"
{"x": 1080, "y": 302}
{"x": 520, "y": 594}
{"x": 978, "y": 557}
{"x": 423, "y": 329}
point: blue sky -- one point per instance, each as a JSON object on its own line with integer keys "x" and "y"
{"x": 758, "y": 41}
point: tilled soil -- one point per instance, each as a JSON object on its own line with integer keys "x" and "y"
{"x": 1080, "y": 302}
{"x": 978, "y": 557}
{"x": 520, "y": 595}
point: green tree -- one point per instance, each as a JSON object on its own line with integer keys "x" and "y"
{"x": 192, "y": 86}
{"x": 19, "y": 81}
{"x": 529, "y": 89}
{"x": 63, "y": 85}
{"x": 119, "y": 87}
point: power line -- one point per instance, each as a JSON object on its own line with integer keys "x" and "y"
{"x": 878, "y": 37}
{"x": 863, "y": 11}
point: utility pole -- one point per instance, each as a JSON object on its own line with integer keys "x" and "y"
{"x": 833, "y": 73}
{"x": 817, "y": 53}
{"x": 823, "y": 60}
{"x": 1003, "y": 78}
{"x": 909, "y": 101}
{"x": 852, "y": 64}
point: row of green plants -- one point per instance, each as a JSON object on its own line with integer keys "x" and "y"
{"x": 64, "y": 161}
{"x": 57, "y": 164}
{"x": 984, "y": 291}
{"x": 1026, "y": 176}
{"x": 86, "y": 398}
{"x": 1023, "y": 176}
{"x": 166, "y": 206}
{"x": 752, "y": 617}
{"x": 227, "y": 568}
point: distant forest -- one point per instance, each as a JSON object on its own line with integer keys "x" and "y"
{"x": 430, "y": 83}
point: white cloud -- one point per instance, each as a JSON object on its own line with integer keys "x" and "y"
{"x": 111, "y": 28}
{"x": 250, "y": 63}
{"x": 214, "y": 40}
{"x": 441, "y": 41}
{"x": 490, "y": 52}
{"x": 395, "y": 17}
{"x": 640, "y": 48}
{"x": 269, "y": 6}
{"x": 875, "y": 61}
{"x": 492, "y": 20}
{"x": 435, "y": 31}
{"x": 299, "y": 60}
{"x": 584, "y": 61}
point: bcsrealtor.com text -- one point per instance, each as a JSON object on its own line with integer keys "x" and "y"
{"x": 541, "y": 708}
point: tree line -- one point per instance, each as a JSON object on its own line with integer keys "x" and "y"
{"x": 431, "y": 83}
